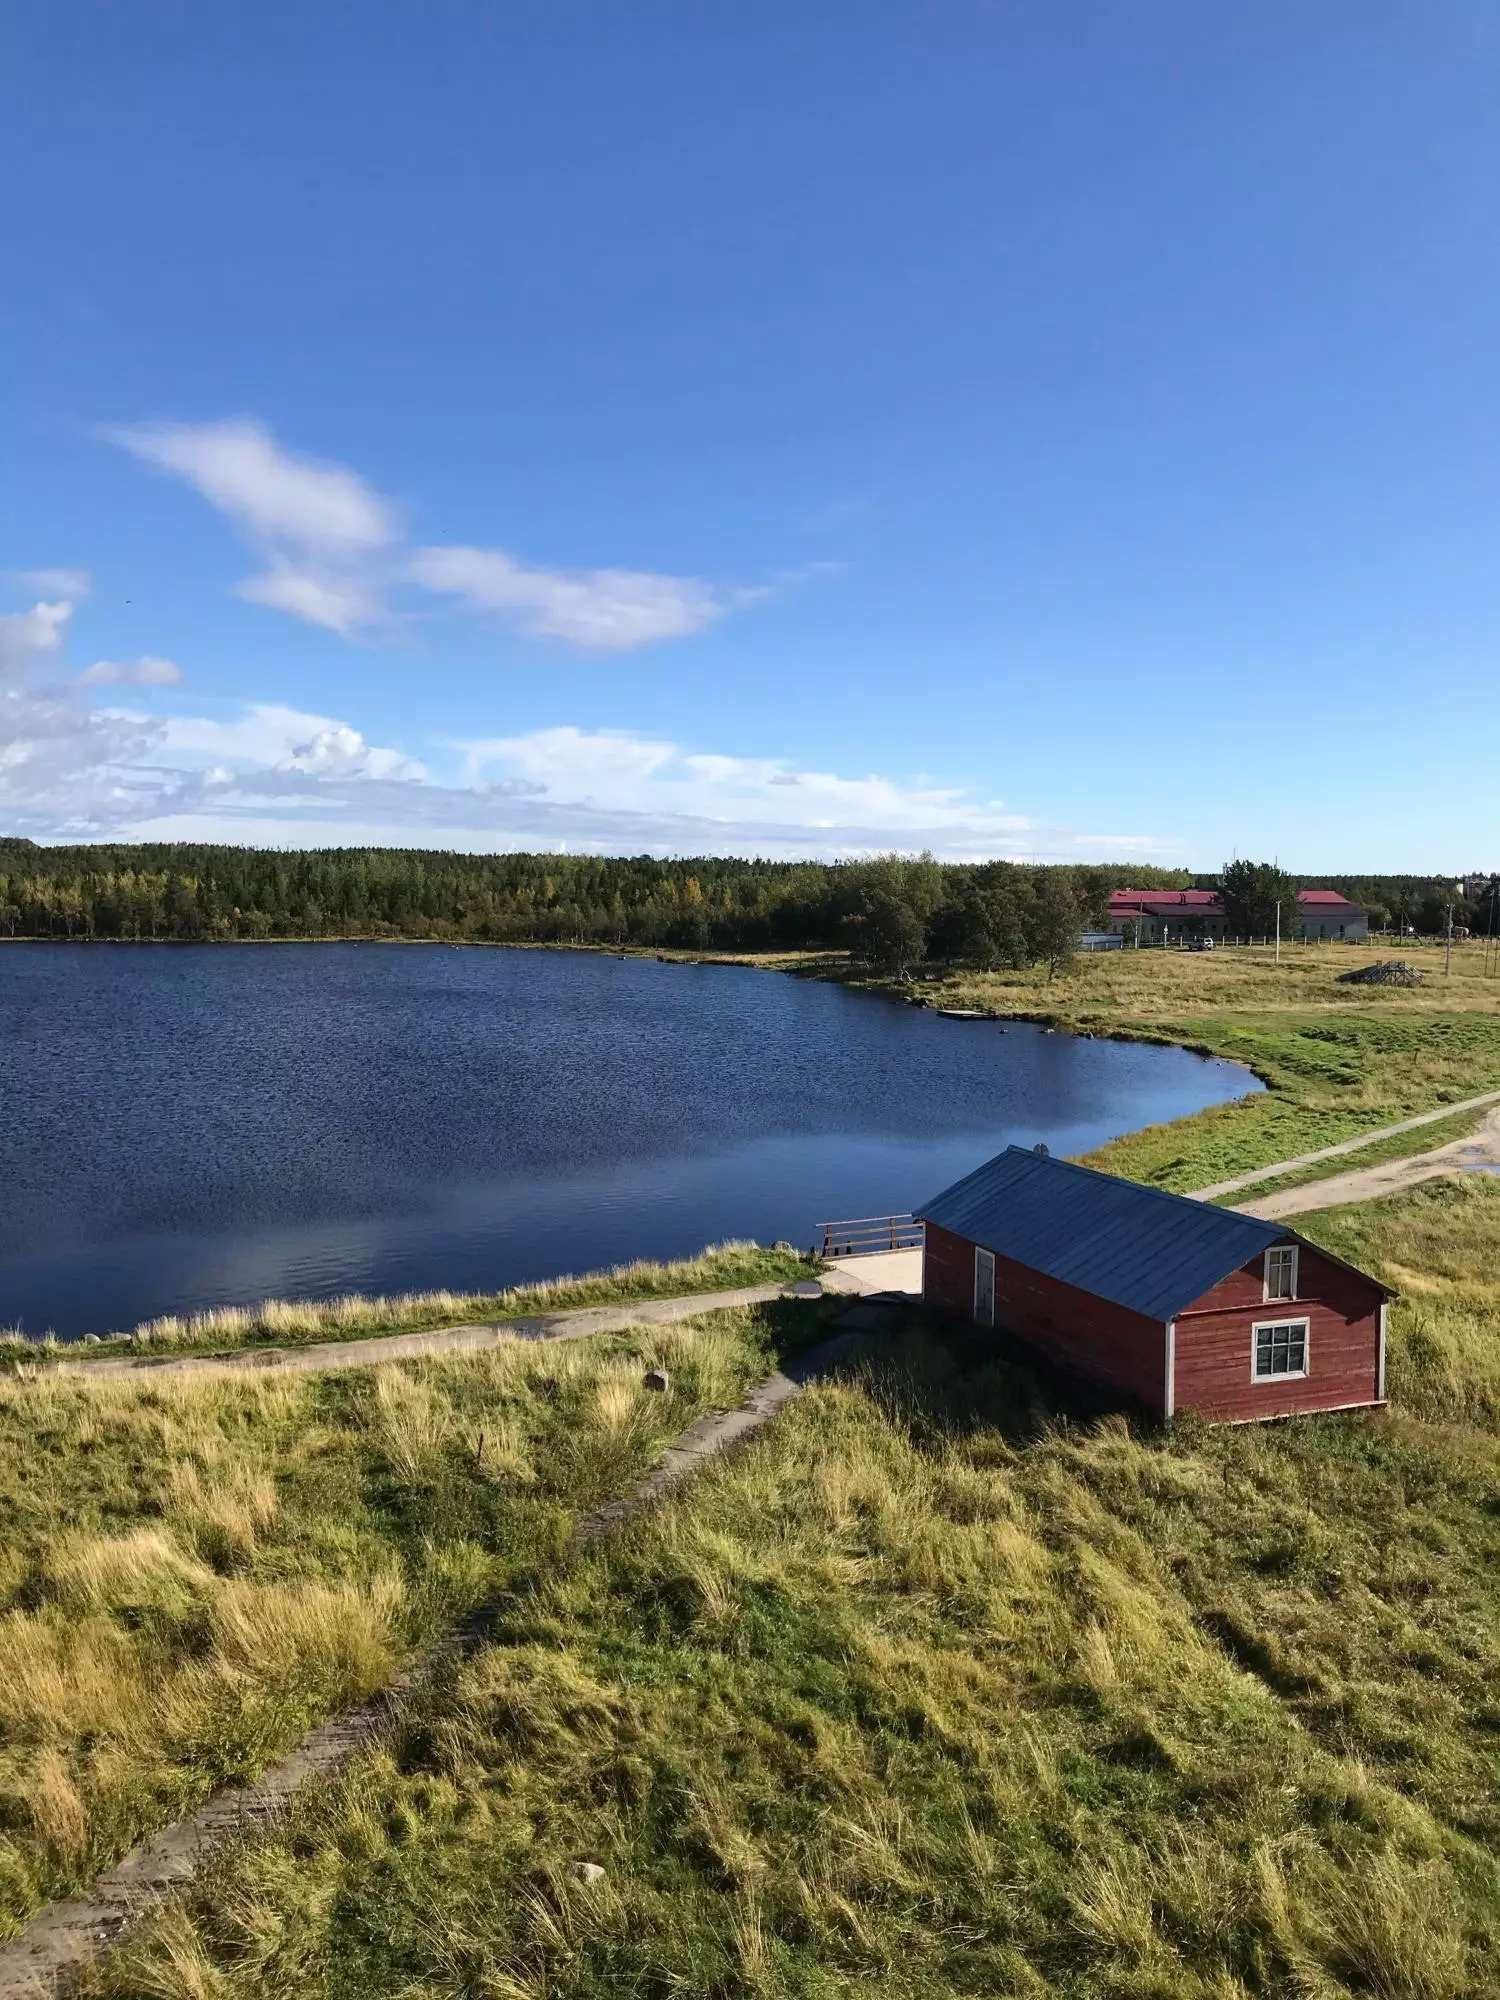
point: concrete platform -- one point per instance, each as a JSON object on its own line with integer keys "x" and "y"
{"x": 882, "y": 1271}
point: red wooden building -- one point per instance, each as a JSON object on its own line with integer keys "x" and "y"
{"x": 1168, "y": 1301}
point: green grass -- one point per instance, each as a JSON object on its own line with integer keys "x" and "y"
{"x": 1439, "y": 1246}
{"x": 1338, "y": 1060}
{"x": 952, "y": 1684}
{"x": 282, "y": 1322}
{"x": 194, "y": 1569}
{"x": 1401, "y": 1146}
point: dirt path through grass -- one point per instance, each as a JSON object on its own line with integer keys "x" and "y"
{"x": 1480, "y": 1151}
{"x": 575, "y": 1325}
{"x": 1355, "y": 1146}
{"x": 61, "y": 1940}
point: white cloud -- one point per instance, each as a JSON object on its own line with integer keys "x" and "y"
{"x": 69, "y": 583}
{"x": 268, "y": 773}
{"x": 339, "y": 751}
{"x": 613, "y": 771}
{"x": 59, "y": 762}
{"x": 597, "y": 610}
{"x": 267, "y": 737}
{"x": 150, "y": 670}
{"x": 26, "y": 635}
{"x": 334, "y": 554}
{"x": 276, "y": 495}
{"x": 344, "y": 604}
{"x": 324, "y": 530}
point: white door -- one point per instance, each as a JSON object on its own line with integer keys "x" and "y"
{"x": 984, "y": 1286}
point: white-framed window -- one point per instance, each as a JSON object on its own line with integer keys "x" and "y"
{"x": 1279, "y": 1347}
{"x": 1280, "y": 1281}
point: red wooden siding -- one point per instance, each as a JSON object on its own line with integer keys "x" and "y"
{"x": 1093, "y": 1337}
{"x": 1214, "y": 1344}
{"x": 1125, "y": 1351}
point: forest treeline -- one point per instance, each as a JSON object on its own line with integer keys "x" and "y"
{"x": 893, "y": 911}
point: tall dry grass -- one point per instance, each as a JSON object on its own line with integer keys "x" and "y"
{"x": 947, "y": 1686}
{"x": 722, "y": 1266}
{"x": 196, "y": 1568}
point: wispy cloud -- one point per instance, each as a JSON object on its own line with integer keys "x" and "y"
{"x": 275, "y": 495}
{"x": 597, "y": 610}
{"x": 613, "y": 771}
{"x": 352, "y": 606}
{"x": 324, "y": 532}
{"x": 335, "y": 556}
{"x": 271, "y": 773}
{"x": 70, "y": 583}
{"x": 150, "y": 670}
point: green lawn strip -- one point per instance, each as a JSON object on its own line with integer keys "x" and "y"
{"x": 946, "y": 1685}
{"x": 1329, "y": 1080}
{"x": 1400, "y": 1146}
{"x": 1438, "y": 1244}
{"x": 279, "y": 1323}
{"x": 194, "y": 1570}
{"x": 1338, "y": 1061}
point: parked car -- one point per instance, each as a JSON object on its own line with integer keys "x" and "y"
{"x": 1200, "y": 944}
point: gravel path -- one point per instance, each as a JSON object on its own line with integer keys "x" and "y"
{"x": 61, "y": 1940}
{"x": 1350, "y": 1146}
{"x": 577, "y": 1324}
{"x": 1477, "y": 1154}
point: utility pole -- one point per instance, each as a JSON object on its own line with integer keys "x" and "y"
{"x": 1278, "y": 930}
{"x": 1448, "y": 946}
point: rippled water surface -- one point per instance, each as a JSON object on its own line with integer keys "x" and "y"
{"x": 190, "y": 1126}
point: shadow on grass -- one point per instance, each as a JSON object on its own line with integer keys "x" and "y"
{"x": 941, "y": 1381}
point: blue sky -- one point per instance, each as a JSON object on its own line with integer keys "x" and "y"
{"x": 1043, "y": 430}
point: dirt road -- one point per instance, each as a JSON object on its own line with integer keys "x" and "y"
{"x": 1345, "y": 1146}
{"x": 1477, "y": 1154}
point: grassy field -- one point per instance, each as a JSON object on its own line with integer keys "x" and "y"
{"x": 1339, "y": 1060}
{"x": 953, "y": 1685}
{"x": 1441, "y": 1132}
{"x": 194, "y": 1569}
{"x": 280, "y": 1322}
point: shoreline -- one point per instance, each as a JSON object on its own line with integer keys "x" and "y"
{"x": 1273, "y": 1144}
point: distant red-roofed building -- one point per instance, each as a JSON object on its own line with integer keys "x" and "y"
{"x": 1327, "y": 914}
{"x": 1156, "y": 916}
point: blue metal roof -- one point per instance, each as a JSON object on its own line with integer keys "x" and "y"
{"x": 1150, "y": 1251}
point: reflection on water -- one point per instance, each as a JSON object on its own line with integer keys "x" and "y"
{"x": 196, "y": 1126}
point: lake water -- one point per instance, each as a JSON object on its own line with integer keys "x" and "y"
{"x": 187, "y": 1126}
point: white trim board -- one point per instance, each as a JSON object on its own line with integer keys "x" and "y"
{"x": 1169, "y": 1392}
{"x": 1267, "y": 1297}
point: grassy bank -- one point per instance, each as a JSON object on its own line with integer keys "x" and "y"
{"x": 1339, "y": 1060}
{"x": 951, "y": 1684}
{"x": 193, "y": 1570}
{"x": 280, "y": 1322}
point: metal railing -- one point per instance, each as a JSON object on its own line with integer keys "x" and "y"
{"x": 869, "y": 1234}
